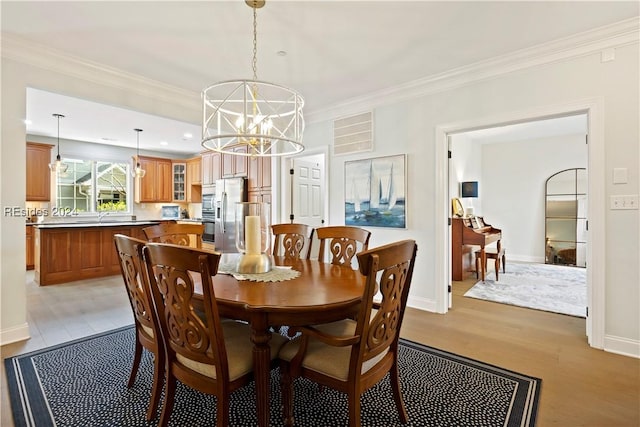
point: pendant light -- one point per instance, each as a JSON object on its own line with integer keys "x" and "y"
{"x": 138, "y": 172}
{"x": 58, "y": 166}
{"x": 252, "y": 117}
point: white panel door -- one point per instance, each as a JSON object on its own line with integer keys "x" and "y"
{"x": 308, "y": 192}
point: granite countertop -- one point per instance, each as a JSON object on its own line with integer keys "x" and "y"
{"x": 189, "y": 220}
{"x": 80, "y": 224}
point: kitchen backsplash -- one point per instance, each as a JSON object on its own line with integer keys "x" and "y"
{"x": 44, "y": 212}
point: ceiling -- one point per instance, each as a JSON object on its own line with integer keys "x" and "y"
{"x": 330, "y": 51}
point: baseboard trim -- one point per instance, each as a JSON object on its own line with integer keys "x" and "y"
{"x": 14, "y": 334}
{"x": 524, "y": 258}
{"x": 422, "y": 304}
{"x": 622, "y": 346}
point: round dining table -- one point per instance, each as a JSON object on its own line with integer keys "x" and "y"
{"x": 321, "y": 293}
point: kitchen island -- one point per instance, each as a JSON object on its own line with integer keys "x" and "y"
{"x": 70, "y": 251}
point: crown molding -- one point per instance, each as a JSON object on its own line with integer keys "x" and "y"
{"x": 37, "y": 55}
{"x": 586, "y": 43}
{"x": 611, "y": 36}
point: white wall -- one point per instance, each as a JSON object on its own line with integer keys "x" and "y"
{"x": 405, "y": 127}
{"x": 409, "y": 127}
{"x": 513, "y": 183}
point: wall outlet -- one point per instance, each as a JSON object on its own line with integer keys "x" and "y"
{"x": 624, "y": 202}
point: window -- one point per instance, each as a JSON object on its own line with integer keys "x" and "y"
{"x": 93, "y": 186}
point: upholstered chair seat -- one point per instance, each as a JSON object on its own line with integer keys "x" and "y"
{"x": 237, "y": 338}
{"x": 329, "y": 360}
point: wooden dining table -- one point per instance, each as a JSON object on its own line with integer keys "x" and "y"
{"x": 321, "y": 293}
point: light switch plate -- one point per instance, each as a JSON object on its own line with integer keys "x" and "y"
{"x": 619, "y": 175}
{"x": 624, "y": 202}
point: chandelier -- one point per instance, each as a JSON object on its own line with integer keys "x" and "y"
{"x": 58, "y": 166}
{"x": 264, "y": 118}
{"x": 138, "y": 172}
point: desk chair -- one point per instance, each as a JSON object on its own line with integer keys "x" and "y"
{"x": 499, "y": 257}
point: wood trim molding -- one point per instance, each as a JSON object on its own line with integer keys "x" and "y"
{"x": 27, "y": 52}
{"x": 14, "y": 334}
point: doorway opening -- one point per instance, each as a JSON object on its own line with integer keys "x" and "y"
{"x": 511, "y": 166}
{"x": 592, "y": 109}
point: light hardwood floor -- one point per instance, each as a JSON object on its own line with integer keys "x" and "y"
{"x": 581, "y": 386}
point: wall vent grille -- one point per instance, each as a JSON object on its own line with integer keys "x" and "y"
{"x": 353, "y": 134}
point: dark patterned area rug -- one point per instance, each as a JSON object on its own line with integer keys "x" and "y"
{"x": 83, "y": 383}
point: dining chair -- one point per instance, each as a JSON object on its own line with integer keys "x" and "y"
{"x": 204, "y": 353}
{"x": 290, "y": 240}
{"x": 350, "y": 355}
{"x": 148, "y": 334}
{"x": 178, "y": 234}
{"x": 343, "y": 242}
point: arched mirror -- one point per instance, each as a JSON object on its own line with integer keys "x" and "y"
{"x": 566, "y": 218}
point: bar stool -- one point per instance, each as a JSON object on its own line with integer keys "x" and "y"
{"x": 495, "y": 255}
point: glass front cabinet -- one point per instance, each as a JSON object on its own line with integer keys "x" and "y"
{"x": 179, "y": 182}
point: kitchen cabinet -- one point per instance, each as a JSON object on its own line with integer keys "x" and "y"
{"x": 235, "y": 165}
{"x": 194, "y": 171}
{"x": 30, "y": 247}
{"x": 258, "y": 196}
{"x": 211, "y": 167}
{"x": 179, "y": 175}
{"x": 38, "y": 173}
{"x": 56, "y": 252}
{"x": 157, "y": 184}
{"x": 259, "y": 179}
{"x": 194, "y": 180}
{"x": 259, "y": 174}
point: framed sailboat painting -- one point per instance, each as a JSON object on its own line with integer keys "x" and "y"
{"x": 375, "y": 192}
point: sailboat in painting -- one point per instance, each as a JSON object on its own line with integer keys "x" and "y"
{"x": 375, "y": 195}
{"x": 356, "y": 197}
{"x": 391, "y": 196}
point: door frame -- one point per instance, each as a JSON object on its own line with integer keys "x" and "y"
{"x": 593, "y": 108}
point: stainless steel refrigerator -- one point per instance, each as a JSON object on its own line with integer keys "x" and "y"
{"x": 228, "y": 192}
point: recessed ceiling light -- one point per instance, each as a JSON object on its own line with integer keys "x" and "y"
{"x": 27, "y": 122}
{"x": 164, "y": 143}
{"x": 188, "y": 135}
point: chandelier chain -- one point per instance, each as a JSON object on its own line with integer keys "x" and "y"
{"x": 58, "y": 143}
{"x": 255, "y": 44}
